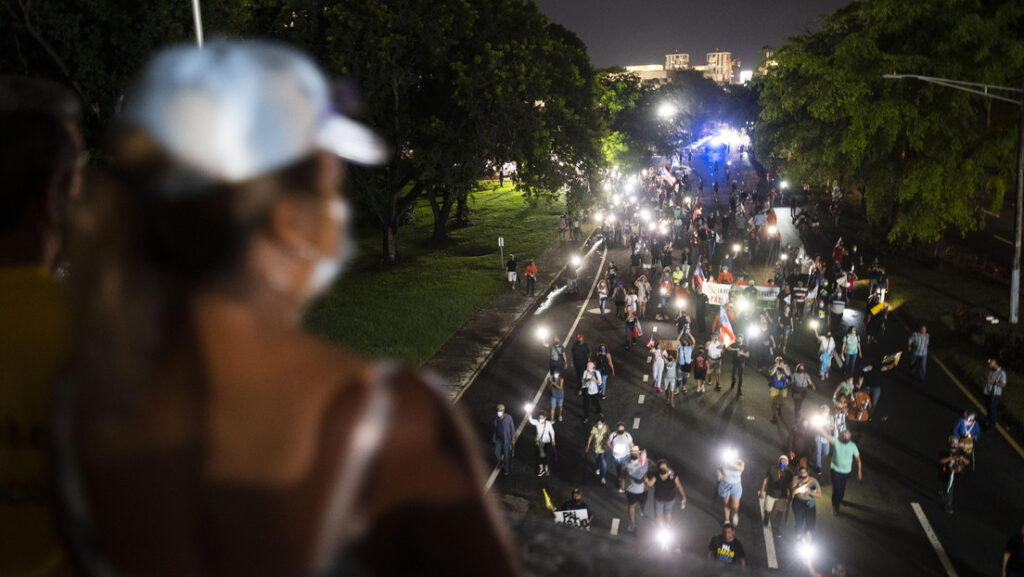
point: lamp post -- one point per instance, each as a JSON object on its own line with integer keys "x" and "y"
{"x": 984, "y": 90}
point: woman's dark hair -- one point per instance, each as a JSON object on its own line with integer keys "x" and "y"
{"x": 149, "y": 235}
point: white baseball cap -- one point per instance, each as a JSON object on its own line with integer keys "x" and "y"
{"x": 235, "y": 110}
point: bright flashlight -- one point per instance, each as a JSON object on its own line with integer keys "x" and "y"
{"x": 680, "y": 303}
{"x": 599, "y": 217}
{"x": 689, "y": 200}
{"x": 772, "y": 229}
{"x": 806, "y": 551}
{"x": 645, "y": 214}
{"x": 784, "y": 256}
{"x": 611, "y": 218}
{"x": 666, "y": 110}
{"x": 736, "y": 247}
{"x": 784, "y": 184}
{"x": 730, "y": 455}
{"x": 542, "y": 333}
{"x": 743, "y": 304}
{"x": 663, "y": 536}
{"x": 528, "y": 407}
{"x": 753, "y": 330}
{"x": 576, "y": 260}
{"x": 664, "y": 292}
{"x": 818, "y": 421}
{"x": 814, "y": 324}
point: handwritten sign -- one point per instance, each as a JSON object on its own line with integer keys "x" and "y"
{"x": 575, "y": 518}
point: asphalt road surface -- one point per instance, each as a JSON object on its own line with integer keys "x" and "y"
{"x": 880, "y": 533}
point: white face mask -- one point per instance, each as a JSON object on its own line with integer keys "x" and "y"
{"x": 327, "y": 268}
{"x": 500, "y": 413}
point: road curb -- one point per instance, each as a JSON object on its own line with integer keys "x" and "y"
{"x": 513, "y": 326}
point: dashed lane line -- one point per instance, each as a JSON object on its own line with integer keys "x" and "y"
{"x": 615, "y": 526}
{"x": 640, "y": 401}
{"x": 636, "y": 422}
{"x": 934, "y": 540}
{"x": 543, "y": 383}
{"x": 769, "y": 540}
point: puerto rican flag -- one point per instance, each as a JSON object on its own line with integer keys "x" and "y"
{"x": 667, "y": 176}
{"x": 698, "y": 279}
{"x": 725, "y": 328}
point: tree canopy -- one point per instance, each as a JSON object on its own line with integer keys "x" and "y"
{"x": 927, "y": 157}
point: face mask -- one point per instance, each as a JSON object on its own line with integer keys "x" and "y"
{"x": 663, "y": 471}
{"x": 600, "y": 426}
{"x": 604, "y": 350}
{"x": 622, "y": 431}
{"x": 844, "y": 441}
{"x": 782, "y": 466}
{"x": 500, "y": 413}
{"x": 326, "y": 269}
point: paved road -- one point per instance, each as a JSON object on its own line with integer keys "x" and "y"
{"x": 879, "y": 534}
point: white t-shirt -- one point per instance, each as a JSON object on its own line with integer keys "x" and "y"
{"x": 621, "y": 444}
{"x": 826, "y": 344}
{"x": 730, "y": 474}
{"x": 545, "y": 431}
{"x": 592, "y": 378}
{"x": 714, "y": 350}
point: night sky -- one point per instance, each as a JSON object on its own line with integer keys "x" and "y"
{"x": 625, "y": 32}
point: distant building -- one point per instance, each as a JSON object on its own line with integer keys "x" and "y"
{"x": 768, "y": 61}
{"x": 677, "y": 61}
{"x": 719, "y": 67}
{"x": 652, "y": 73}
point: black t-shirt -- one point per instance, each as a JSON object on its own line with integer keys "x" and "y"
{"x": 726, "y": 552}
{"x": 1016, "y": 550}
{"x": 778, "y": 482}
{"x": 664, "y": 489}
{"x": 580, "y": 354}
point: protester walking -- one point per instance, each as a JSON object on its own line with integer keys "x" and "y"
{"x": 504, "y": 439}
{"x": 805, "y": 491}
{"x": 918, "y": 346}
{"x": 995, "y": 384}
{"x": 844, "y": 454}
{"x": 597, "y": 439}
{"x": 666, "y": 485}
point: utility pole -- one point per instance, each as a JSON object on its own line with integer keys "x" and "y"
{"x": 197, "y": 19}
{"x": 984, "y": 90}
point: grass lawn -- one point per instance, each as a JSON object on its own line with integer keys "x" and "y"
{"x": 408, "y": 310}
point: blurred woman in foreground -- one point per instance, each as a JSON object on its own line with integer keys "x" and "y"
{"x": 200, "y": 431}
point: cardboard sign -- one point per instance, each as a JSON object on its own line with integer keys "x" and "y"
{"x": 574, "y": 518}
{"x": 718, "y": 294}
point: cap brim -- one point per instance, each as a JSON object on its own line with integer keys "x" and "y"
{"x": 352, "y": 141}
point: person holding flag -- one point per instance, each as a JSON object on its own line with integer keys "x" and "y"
{"x": 667, "y": 177}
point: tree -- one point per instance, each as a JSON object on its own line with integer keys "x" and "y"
{"x": 931, "y": 157}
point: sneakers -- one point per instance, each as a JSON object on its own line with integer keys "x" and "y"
{"x": 621, "y": 490}
{"x": 718, "y": 387}
{"x": 604, "y": 481}
{"x": 540, "y": 473}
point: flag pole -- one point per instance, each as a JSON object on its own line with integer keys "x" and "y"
{"x": 197, "y": 17}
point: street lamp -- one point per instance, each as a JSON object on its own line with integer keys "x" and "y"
{"x": 666, "y": 110}
{"x": 983, "y": 90}
{"x": 784, "y": 185}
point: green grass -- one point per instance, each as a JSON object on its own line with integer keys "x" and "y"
{"x": 407, "y": 311}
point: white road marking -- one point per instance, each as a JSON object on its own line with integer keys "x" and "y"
{"x": 1001, "y": 239}
{"x": 769, "y": 540}
{"x": 640, "y": 401}
{"x": 543, "y": 383}
{"x": 596, "y": 311}
{"x": 934, "y": 539}
{"x": 645, "y": 377}
{"x": 615, "y": 526}
{"x": 636, "y": 422}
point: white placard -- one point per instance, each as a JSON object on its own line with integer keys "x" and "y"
{"x": 574, "y": 518}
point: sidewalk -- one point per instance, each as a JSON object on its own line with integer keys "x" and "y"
{"x": 465, "y": 354}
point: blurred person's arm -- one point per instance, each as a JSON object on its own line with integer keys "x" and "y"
{"x": 428, "y": 496}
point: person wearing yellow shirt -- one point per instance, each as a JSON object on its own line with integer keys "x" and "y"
{"x": 40, "y": 168}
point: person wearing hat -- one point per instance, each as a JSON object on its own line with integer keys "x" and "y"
{"x": 634, "y": 485}
{"x": 200, "y": 430}
{"x": 576, "y": 503}
{"x": 774, "y": 490}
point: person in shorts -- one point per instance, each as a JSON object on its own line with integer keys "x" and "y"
{"x": 730, "y": 489}
{"x": 557, "y": 383}
{"x": 510, "y": 266}
{"x": 666, "y": 484}
{"x": 634, "y": 486}
{"x": 700, "y": 368}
